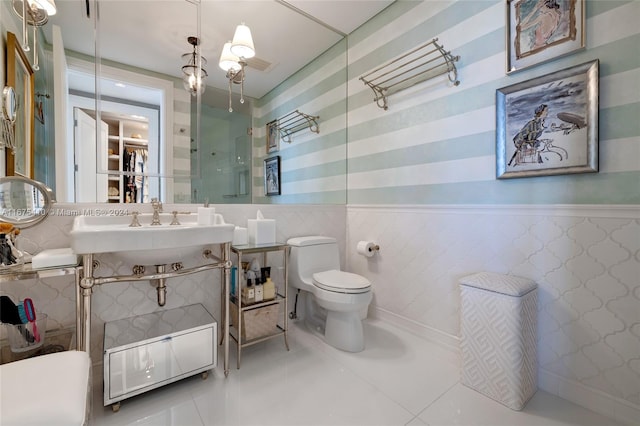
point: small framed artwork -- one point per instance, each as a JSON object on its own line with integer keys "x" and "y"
{"x": 273, "y": 137}
{"x": 541, "y": 30}
{"x": 549, "y": 125}
{"x": 272, "y": 176}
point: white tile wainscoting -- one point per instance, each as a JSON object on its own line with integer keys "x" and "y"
{"x": 585, "y": 260}
{"x": 56, "y": 296}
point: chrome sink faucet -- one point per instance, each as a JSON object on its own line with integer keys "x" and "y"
{"x": 157, "y": 208}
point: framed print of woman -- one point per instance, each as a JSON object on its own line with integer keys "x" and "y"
{"x": 540, "y": 30}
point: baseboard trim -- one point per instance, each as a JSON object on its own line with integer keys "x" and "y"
{"x": 446, "y": 341}
{"x": 614, "y": 408}
{"x": 609, "y": 406}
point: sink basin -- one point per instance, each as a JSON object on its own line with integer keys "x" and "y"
{"x": 147, "y": 245}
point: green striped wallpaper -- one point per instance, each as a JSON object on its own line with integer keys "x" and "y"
{"x": 436, "y": 143}
{"x": 313, "y": 166}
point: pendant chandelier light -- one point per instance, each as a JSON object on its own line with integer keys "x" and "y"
{"x": 193, "y": 73}
{"x": 35, "y": 13}
{"x": 233, "y": 59}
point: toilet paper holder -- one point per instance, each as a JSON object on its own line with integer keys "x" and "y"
{"x": 367, "y": 248}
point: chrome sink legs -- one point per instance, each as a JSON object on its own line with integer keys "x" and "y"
{"x": 161, "y": 286}
{"x": 85, "y": 284}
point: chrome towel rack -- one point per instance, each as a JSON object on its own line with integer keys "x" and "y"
{"x": 422, "y": 63}
{"x": 296, "y": 121}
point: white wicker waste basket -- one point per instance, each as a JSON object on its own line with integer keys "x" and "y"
{"x": 498, "y": 337}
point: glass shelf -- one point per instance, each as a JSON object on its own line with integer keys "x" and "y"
{"x": 26, "y": 272}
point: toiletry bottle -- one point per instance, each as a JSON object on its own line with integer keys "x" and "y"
{"x": 248, "y": 293}
{"x": 265, "y": 272}
{"x": 269, "y": 290}
{"x": 255, "y": 267}
{"x": 234, "y": 271}
{"x": 258, "y": 291}
{"x": 248, "y": 296}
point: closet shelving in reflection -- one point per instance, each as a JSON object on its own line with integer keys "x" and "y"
{"x": 128, "y": 152}
{"x": 425, "y": 62}
{"x": 294, "y": 122}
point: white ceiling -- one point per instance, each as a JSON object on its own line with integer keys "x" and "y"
{"x": 152, "y": 34}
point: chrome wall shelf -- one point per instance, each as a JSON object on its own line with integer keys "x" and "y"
{"x": 422, "y": 63}
{"x": 294, "y": 122}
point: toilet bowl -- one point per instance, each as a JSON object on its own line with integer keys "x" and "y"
{"x": 334, "y": 299}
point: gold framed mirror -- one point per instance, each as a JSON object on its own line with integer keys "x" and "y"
{"x": 19, "y": 161}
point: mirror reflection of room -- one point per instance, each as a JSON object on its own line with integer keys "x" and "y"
{"x": 135, "y": 160}
{"x": 204, "y": 151}
{"x": 128, "y": 159}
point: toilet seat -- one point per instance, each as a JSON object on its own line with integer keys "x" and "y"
{"x": 341, "y": 282}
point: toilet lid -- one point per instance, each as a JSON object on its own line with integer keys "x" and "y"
{"x": 341, "y": 282}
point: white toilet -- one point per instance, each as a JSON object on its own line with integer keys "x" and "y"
{"x": 334, "y": 299}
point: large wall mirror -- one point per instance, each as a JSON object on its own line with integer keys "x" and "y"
{"x": 93, "y": 136}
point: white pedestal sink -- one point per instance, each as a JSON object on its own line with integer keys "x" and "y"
{"x": 147, "y": 244}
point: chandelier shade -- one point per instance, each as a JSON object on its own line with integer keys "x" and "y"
{"x": 233, "y": 59}
{"x": 242, "y": 45}
{"x": 37, "y": 11}
{"x": 36, "y": 14}
{"x": 229, "y": 61}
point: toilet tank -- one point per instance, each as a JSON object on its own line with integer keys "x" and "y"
{"x": 310, "y": 255}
